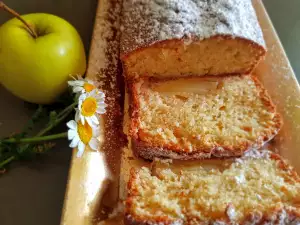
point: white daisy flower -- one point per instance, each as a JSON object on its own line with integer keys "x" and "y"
{"x": 89, "y": 104}
{"x": 81, "y": 85}
{"x": 82, "y": 135}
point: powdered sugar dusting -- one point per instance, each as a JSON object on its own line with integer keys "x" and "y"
{"x": 254, "y": 153}
{"x": 230, "y": 211}
{"x": 146, "y": 22}
{"x": 106, "y": 44}
{"x": 240, "y": 179}
{"x": 104, "y": 66}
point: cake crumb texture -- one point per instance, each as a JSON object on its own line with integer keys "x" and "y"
{"x": 201, "y": 117}
{"x": 252, "y": 190}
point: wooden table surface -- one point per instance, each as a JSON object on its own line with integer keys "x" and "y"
{"x": 33, "y": 193}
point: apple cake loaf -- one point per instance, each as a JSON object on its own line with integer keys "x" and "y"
{"x": 200, "y": 117}
{"x": 166, "y": 38}
{"x": 259, "y": 188}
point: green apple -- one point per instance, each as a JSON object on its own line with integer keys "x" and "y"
{"x": 37, "y": 69}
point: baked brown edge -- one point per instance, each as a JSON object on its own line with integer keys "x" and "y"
{"x": 150, "y": 150}
{"x": 130, "y": 218}
{"x": 269, "y": 217}
{"x": 260, "y": 49}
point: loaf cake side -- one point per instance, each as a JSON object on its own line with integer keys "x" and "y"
{"x": 165, "y": 38}
{"x": 202, "y": 117}
{"x": 259, "y": 188}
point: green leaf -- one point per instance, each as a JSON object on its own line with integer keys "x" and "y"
{"x": 15, "y": 147}
{"x": 36, "y": 117}
{"x": 52, "y": 117}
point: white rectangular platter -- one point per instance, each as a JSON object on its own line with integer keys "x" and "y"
{"x": 97, "y": 180}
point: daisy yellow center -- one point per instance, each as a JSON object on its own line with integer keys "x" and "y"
{"x": 85, "y": 132}
{"x": 88, "y": 87}
{"x": 89, "y": 106}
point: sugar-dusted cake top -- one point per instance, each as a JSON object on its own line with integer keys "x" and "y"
{"x": 145, "y": 22}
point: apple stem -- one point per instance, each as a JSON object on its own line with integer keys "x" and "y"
{"x": 17, "y": 15}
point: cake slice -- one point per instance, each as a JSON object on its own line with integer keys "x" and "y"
{"x": 259, "y": 188}
{"x": 202, "y": 117}
{"x": 163, "y": 38}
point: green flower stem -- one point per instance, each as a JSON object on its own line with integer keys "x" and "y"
{"x": 67, "y": 109}
{"x": 39, "y": 137}
{"x": 36, "y": 139}
{"x": 34, "y": 117}
{"x": 61, "y": 116}
{"x": 5, "y": 162}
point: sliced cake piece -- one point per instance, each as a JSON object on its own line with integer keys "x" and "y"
{"x": 192, "y": 118}
{"x": 259, "y": 188}
{"x": 163, "y": 38}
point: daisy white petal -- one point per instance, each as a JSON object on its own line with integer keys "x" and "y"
{"x": 71, "y": 134}
{"x": 80, "y": 148}
{"x": 101, "y": 111}
{"x": 77, "y": 89}
{"x": 74, "y": 142}
{"x": 100, "y": 94}
{"x": 94, "y": 144}
{"x": 91, "y": 122}
{"x": 72, "y": 124}
{"x": 82, "y": 119}
{"x": 100, "y": 99}
{"x": 96, "y": 132}
{"x": 94, "y": 119}
{"x": 76, "y": 83}
{"x": 93, "y": 92}
{"x": 102, "y": 105}
{"x": 77, "y": 115}
{"x": 82, "y": 97}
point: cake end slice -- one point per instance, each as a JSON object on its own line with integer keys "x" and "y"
{"x": 259, "y": 188}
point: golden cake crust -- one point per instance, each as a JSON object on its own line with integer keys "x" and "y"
{"x": 163, "y": 38}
